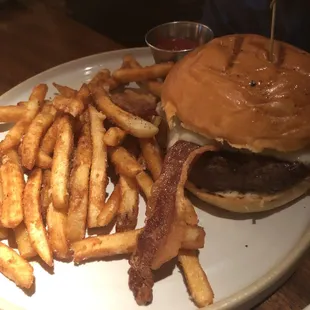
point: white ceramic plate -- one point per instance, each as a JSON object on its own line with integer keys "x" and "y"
{"x": 244, "y": 261}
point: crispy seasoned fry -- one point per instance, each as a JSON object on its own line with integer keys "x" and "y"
{"x": 65, "y": 90}
{"x": 61, "y": 164}
{"x": 152, "y": 72}
{"x": 38, "y": 93}
{"x": 23, "y": 242}
{"x": 3, "y": 231}
{"x": 152, "y": 155}
{"x": 13, "y": 137}
{"x": 72, "y": 106}
{"x": 142, "y": 162}
{"x": 197, "y": 282}
{"x": 145, "y": 183}
{"x": 98, "y": 174}
{"x": 124, "y": 162}
{"x": 15, "y": 268}
{"x": 49, "y": 140}
{"x": 127, "y": 216}
{"x": 43, "y": 160}
{"x": 56, "y": 220}
{"x": 125, "y": 243}
{"x": 1, "y": 198}
{"x": 12, "y": 113}
{"x": 114, "y": 136}
{"x": 194, "y": 238}
{"x": 156, "y": 120}
{"x": 111, "y": 207}
{"x": 79, "y": 190}
{"x": 190, "y": 214}
{"x": 31, "y": 141}
{"x": 152, "y": 86}
{"x": 105, "y": 245}
{"x": 134, "y": 125}
{"x": 84, "y": 95}
{"x": 45, "y": 193}
{"x": 33, "y": 218}
{"x": 13, "y": 183}
{"x": 104, "y": 79}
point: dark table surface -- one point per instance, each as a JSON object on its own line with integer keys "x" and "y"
{"x": 35, "y": 39}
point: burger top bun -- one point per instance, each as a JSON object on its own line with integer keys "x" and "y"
{"x": 228, "y": 90}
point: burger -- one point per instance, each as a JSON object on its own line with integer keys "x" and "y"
{"x": 255, "y": 108}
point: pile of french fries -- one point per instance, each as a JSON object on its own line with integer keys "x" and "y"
{"x": 56, "y": 163}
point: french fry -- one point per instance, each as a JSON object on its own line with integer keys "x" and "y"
{"x": 145, "y": 183}
{"x": 125, "y": 243}
{"x": 152, "y": 155}
{"x": 197, "y": 282}
{"x": 13, "y": 183}
{"x": 110, "y": 209}
{"x": 79, "y": 187}
{"x": 191, "y": 217}
{"x": 114, "y": 136}
{"x": 12, "y": 113}
{"x": 15, "y": 268}
{"x": 127, "y": 216}
{"x": 84, "y": 95}
{"x": 49, "y": 140}
{"x": 13, "y": 137}
{"x": 4, "y": 232}
{"x": 105, "y": 245}
{"x": 72, "y": 106}
{"x": 38, "y": 93}
{"x": 141, "y": 162}
{"x": 153, "y": 86}
{"x": 133, "y": 125}
{"x": 43, "y": 160}
{"x": 31, "y": 141}
{"x": 103, "y": 79}
{"x": 65, "y": 90}
{"x": 23, "y": 242}
{"x": 124, "y": 162}
{"x": 61, "y": 164}
{"x": 98, "y": 174}
{"x": 56, "y": 220}
{"x": 124, "y": 75}
{"x": 33, "y": 219}
{"x": 45, "y": 196}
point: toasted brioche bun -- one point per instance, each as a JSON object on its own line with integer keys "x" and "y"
{"x": 250, "y": 203}
{"x": 210, "y": 91}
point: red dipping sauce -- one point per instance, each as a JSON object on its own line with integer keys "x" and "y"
{"x": 176, "y": 44}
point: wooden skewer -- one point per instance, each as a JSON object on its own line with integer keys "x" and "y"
{"x": 273, "y": 6}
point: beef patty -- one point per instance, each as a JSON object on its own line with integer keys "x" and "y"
{"x": 245, "y": 173}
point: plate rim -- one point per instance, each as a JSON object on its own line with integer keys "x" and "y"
{"x": 251, "y": 294}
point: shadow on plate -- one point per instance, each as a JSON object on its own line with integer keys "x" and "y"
{"x": 165, "y": 270}
{"x": 92, "y": 232}
{"x": 218, "y": 212}
{"x": 5, "y": 126}
{"x": 105, "y": 259}
{"x": 43, "y": 265}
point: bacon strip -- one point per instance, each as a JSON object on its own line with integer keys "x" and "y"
{"x": 163, "y": 233}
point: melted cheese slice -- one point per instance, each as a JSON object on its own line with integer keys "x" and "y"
{"x": 178, "y": 132}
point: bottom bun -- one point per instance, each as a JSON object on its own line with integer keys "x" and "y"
{"x": 250, "y": 203}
